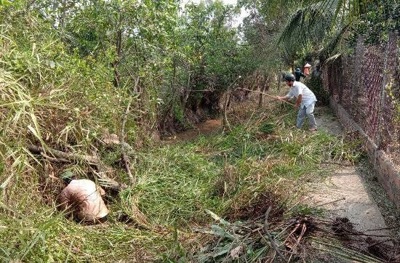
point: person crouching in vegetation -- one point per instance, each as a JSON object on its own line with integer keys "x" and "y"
{"x": 305, "y": 101}
{"x": 82, "y": 199}
{"x": 298, "y": 74}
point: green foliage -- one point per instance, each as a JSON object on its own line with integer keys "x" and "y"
{"x": 318, "y": 27}
{"x": 260, "y": 44}
{"x": 267, "y": 128}
{"x": 393, "y": 93}
{"x": 305, "y": 210}
{"x": 315, "y": 84}
{"x": 315, "y": 19}
{"x": 208, "y": 53}
{"x": 377, "y": 21}
{"x": 179, "y": 114}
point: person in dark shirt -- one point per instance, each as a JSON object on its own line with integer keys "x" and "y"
{"x": 298, "y": 74}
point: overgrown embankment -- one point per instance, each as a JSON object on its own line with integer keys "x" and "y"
{"x": 86, "y": 88}
{"x": 238, "y": 185}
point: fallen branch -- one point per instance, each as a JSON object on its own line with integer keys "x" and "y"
{"x": 270, "y": 238}
{"x": 60, "y": 156}
{"x": 54, "y": 155}
{"x": 125, "y": 157}
{"x": 225, "y": 121}
{"x": 331, "y": 202}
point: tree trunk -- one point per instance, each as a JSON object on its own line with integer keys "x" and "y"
{"x": 115, "y": 63}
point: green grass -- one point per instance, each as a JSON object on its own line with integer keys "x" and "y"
{"x": 180, "y": 187}
{"x": 262, "y": 156}
{"x": 176, "y": 185}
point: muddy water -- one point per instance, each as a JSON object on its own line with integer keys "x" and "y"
{"x": 205, "y": 128}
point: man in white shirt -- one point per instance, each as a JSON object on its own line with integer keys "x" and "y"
{"x": 305, "y": 101}
{"x": 83, "y": 199}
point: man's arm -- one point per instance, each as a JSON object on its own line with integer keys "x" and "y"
{"x": 298, "y": 100}
{"x": 282, "y": 97}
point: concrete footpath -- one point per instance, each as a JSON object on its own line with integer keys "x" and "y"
{"x": 343, "y": 193}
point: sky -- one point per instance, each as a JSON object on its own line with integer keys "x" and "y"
{"x": 238, "y": 20}
{"x": 232, "y": 2}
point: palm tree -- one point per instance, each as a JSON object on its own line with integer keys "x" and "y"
{"x": 317, "y": 26}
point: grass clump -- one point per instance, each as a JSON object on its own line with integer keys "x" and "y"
{"x": 175, "y": 184}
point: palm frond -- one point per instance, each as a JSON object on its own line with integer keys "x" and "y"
{"x": 332, "y": 45}
{"x": 316, "y": 24}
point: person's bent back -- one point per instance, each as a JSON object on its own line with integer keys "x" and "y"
{"x": 84, "y": 200}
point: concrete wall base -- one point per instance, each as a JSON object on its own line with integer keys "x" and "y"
{"x": 388, "y": 173}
